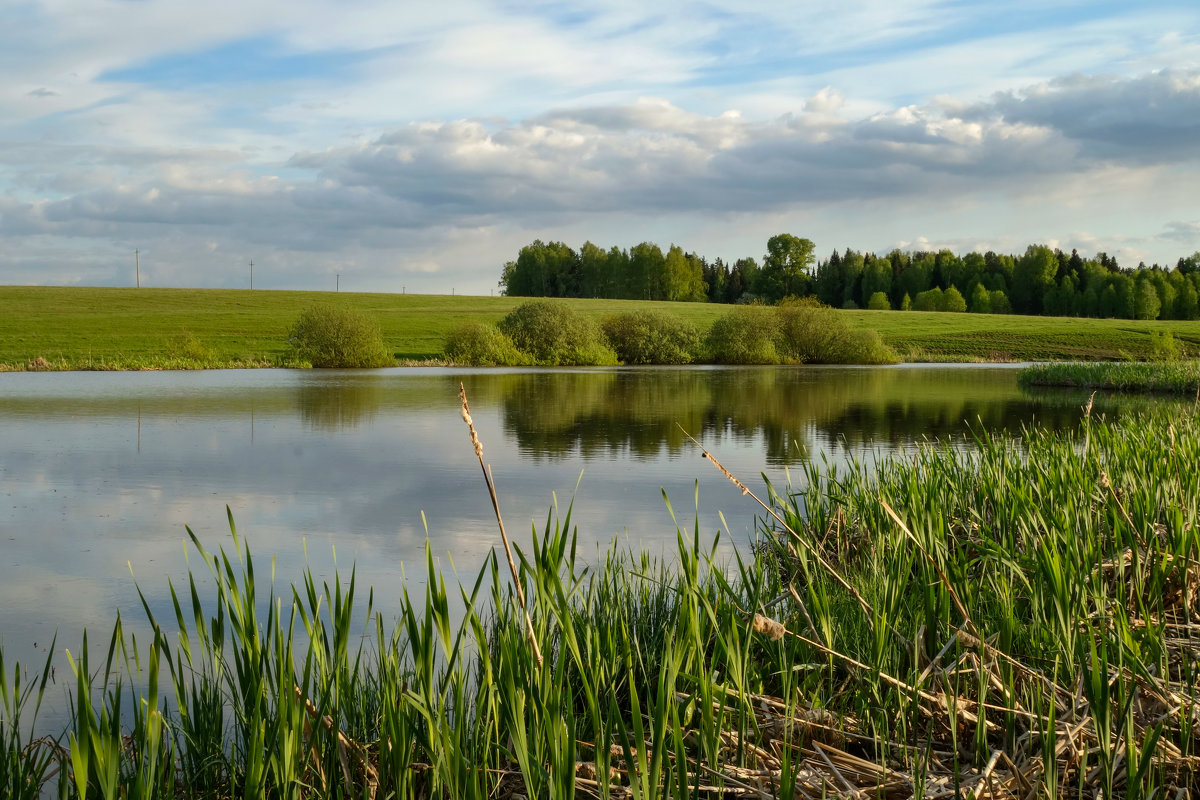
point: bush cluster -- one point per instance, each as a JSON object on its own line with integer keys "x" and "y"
{"x": 553, "y": 333}
{"x": 746, "y": 335}
{"x": 797, "y": 332}
{"x": 483, "y": 345}
{"x": 549, "y": 333}
{"x": 651, "y": 337}
{"x": 329, "y": 336}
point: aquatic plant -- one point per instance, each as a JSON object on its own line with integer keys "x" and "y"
{"x": 1176, "y": 377}
{"x": 1012, "y": 619}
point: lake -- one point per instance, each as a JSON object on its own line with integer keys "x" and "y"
{"x": 100, "y": 472}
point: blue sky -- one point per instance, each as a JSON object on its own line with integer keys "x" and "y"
{"x": 418, "y": 146}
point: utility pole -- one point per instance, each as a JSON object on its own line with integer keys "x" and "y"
{"x": 137, "y": 265}
{"x": 252, "y": 274}
{"x": 337, "y": 285}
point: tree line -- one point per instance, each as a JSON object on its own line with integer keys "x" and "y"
{"x": 1041, "y": 280}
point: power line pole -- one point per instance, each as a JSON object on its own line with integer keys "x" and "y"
{"x": 337, "y": 285}
{"x": 137, "y": 265}
{"x": 252, "y": 274}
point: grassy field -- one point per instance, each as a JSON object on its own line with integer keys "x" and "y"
{"x": 121, "y": 328}
{"x": 1008, "y": 622}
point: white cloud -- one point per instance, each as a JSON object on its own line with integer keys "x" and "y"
{"x": 459, "y": 131}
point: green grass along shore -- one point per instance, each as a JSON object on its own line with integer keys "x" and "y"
{"x": 1172, "y": 377}
{"x": 123, "y": 328}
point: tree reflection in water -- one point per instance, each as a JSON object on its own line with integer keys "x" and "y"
{"x": 639, "y": 413}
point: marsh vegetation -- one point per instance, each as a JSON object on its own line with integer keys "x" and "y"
{"x": 1170, "y": 377}
{"x": 1013, "y": 619}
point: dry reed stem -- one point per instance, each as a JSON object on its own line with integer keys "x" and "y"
{"x": 866, "y": 607}
{"x": 512, "y": 564}
{"x": 346, "y": 747}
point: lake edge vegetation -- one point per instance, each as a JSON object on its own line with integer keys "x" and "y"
{"x": 551, "y": 333}
{"x": 1168, "y": 377}
{"x": 1014, "y": 617}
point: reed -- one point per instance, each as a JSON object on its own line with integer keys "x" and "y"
{"x": 1013, "y": 619}
{"x": 1172, "y": 377}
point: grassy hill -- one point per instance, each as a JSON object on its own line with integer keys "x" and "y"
{"x": 115, "y": 328}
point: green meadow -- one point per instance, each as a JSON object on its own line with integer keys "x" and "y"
{"x": 122, "y": 328}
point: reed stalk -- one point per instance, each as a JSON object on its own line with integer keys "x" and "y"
{"x": 1046, "y": 593}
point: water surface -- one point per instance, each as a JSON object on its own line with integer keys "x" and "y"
{"x": 100, "y": 472}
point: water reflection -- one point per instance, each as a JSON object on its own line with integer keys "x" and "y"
{"x": 642, "y": 414}
{"x": 349, "y": 404}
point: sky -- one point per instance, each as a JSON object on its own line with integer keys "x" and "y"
{"x": 403, "y": 146}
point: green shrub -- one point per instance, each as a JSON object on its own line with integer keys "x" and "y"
{"x": 866, "y": 347}
{"x": 906, "y": 303}
{"x": 998, "y": 302}
{"x": 328, "y": 336}
{"x": 481, "y": 345}
{"x": 808, "y": 332}
{"x": 879, "y": 302}
{"x": 929, "y": 300}
{"x": 188, "y": 347}
{"x": 552, "y": 333}
{"x": 981, "y": 301}
{"x": 652, "y": 337}
{"x": 746, "y": 335}
{"x": 952, "y": 300}
{"x": 1164, "y": 347}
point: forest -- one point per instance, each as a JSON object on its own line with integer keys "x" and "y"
{"x": 1041, "y": 280}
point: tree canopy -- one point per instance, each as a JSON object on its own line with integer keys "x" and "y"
{"x": 1041, "y": 280}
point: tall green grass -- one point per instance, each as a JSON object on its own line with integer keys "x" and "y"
{"x": 1172, "y": 377}
{"x": 1015, "y": 618}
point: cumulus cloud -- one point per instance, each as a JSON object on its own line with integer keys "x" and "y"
{"x": 652, "y": 156}
{"x": 649, "y": 157}
{"x": 1152, "y": 118}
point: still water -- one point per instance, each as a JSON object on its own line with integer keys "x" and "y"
{"x": 100, "y": 472}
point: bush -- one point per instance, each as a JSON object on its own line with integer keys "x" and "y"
{"x": 807, "y": 331}
{"x": 746, "y": 335}
{"x": 879, "y": 302}
{"x": 188, "y": 347}
{"x": 552, "y": 333}
{"x": 328, "y": 336}
{"x": 866, "y": 347}
{"x": 651, "y": 337}
{"x": 1165, "y": 347}
{"x": 981, "y": 301}
{"x": 811, "y": 333}
{"x": 929, "y": 300}
{"x": 481, "y": 345}
{"x": 952, "y": 300}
